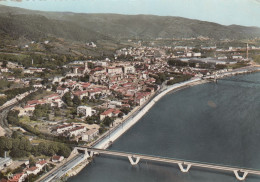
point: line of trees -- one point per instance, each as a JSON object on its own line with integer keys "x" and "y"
{"x": 20, "y": 146}
{"x": 13, "y": 119}
{"x": 179, "y": 79}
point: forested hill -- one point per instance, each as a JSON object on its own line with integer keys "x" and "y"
{"x": 18, "y": 22}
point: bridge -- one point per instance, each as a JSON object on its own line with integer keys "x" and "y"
{"x": 185, "y": 166}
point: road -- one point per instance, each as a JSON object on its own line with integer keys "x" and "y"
{"x": 63, "y": 169}
{"x": 4, "y": 109}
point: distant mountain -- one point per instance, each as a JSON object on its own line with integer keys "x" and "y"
{"x": 18, "y": 22}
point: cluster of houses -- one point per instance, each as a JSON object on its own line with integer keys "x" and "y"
{"x": 35, "y": 170}
{"x": 20, "y": 177}
{"x": 54, "y": 100}
{"x": 78, "y": 132}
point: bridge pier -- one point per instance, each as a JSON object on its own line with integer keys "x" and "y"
{"x": 184, "y": 170}
{"x": 239, "y": 177}
{"x": 132, "y": 161}
{"x": 90, "y": 154}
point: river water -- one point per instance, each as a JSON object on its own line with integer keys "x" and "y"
{"x": 213, "y": 123}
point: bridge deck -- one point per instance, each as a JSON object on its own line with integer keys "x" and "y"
{"x": 174, "y": 161}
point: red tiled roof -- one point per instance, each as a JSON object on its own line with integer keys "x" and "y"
{"x": 77, "y": 128}
{"x": 64, "y": 126}
{"x": 32, "y": 102}
{"x": 56, "y": 157}
{"x": 52, "y": 95}
{"x": 32, "y": 168}
{"x": 42, "y": 162}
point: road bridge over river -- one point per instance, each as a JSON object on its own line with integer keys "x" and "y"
{"x": 185, "y": 166}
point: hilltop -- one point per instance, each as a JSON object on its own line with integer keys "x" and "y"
{"x": 17, "y": 23}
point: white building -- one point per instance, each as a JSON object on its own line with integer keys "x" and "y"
{"x": 114, "y": 70}
{"x": 101, "y": 63}
{"x": 63, "y": 128}
{"x": 57, "y": 158}
{"x": 33, "y": 170}
{"x": 77, "y": 131}
{"x": 5, "y": 162}
{"x": 129, "y": 69}
{"x": 90, "y": 135}
{"x": 196, "y": 54}
{"x": 85, "y": 111}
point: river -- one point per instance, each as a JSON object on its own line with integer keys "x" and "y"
{"x": 214, "y": 123}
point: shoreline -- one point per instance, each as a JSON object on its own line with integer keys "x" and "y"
{"x": 133, "y": 118}
{"x": 123, "y": 127}
{"x": 105, "y": 142}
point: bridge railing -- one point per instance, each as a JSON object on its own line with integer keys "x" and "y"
{"x": 176, "y": 159}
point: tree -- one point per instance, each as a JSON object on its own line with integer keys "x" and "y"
{"x": 64, "y": 151}
{"x": 85, "y": 78}
{"x": 108, "y": 121}
{"x": 54, "y": 88}
{"x": 17, "y": 153}
{"x": 91, "y": 65}
{"x": 43, "y": 148}
{"x": 6, "y": 143}
{"x": 76, "y": 101}
{"x": 67, "y": 99}
{"x": 12, "y": 117}
{"x": 15, "y": 134}
{"x": 125, "y": 110}
{"x": 120, "y": 115}
{"x": 32, "y": 162}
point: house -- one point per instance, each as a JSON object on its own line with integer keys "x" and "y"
{"x": 85, "y": 111}
{"x": 114, "y": 70}
{"x": 129, "y": 69}
{"x": 90, "y": 135}
{"x": 62, "y": 91}
{"x": 33, "y": 170}
{"x": 57, "y": 158}
{"x": 27, "y": 110}
{"x": 20, "y": 177}
{"x": 40, "y": 164}
{"x": 109, "y": 113}
{"x": 63, "y": 128}
{"x": 81, "y": 94}
{"x": 77, "y": 131}
{"x": 5, "y": 162}
{"x": 4, "y": 70}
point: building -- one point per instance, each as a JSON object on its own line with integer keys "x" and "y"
{"x": 90, "y": 135}
{"x": 33, "y": 170}
{"x": 63, "y": 128}
{"x": 109, "y": 113}
{"x": 57, "y": 158}
{"x": 129, "y": 69}
{"x": 77, "y": 131}
{"x": 85, "y": 111}
{"x": 114, "y": 70}
{"x": 5, "y": 162}
{"x": 20, "y": 177}
{"x": 196, "y": 54}
{"x": 62, "y": 91}
{"x": 40, "y": 164}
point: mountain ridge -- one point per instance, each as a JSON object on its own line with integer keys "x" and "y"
{"x": 19, "y": 22}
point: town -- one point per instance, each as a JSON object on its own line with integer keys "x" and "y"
{"x": 90, "y": 98}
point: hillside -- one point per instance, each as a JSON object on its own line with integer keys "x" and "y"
{"x": 17, "y": 22}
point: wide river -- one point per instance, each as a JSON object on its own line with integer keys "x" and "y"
{"x": 213, "y": 123}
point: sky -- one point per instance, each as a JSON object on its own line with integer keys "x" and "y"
{"x": 226, "y": 12}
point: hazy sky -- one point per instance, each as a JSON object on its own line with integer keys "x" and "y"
{"x": 241, "y": 12}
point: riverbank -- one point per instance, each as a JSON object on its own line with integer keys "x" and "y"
{"x": 106, "y": 141}
{"x": 139, "y": 112}
{"x": 123, "y": 127}
{"x": 78, "y": 168}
